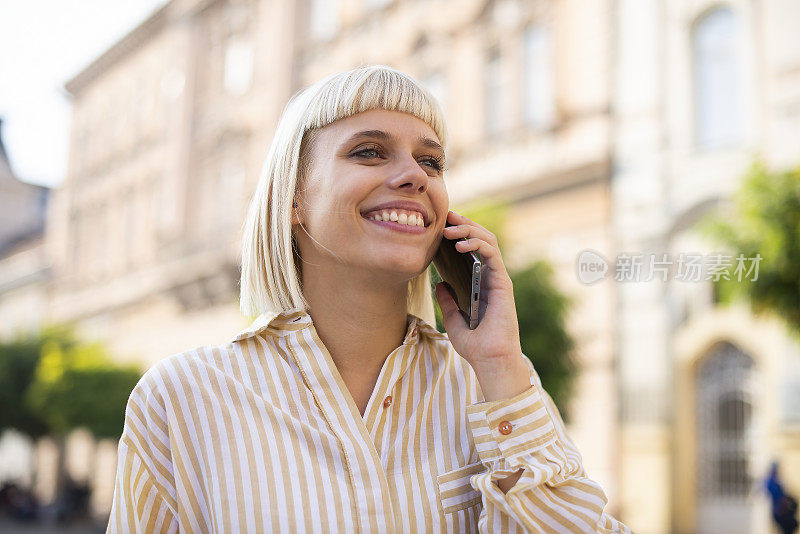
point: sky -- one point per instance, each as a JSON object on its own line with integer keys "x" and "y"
{"x": 44, "y": 43}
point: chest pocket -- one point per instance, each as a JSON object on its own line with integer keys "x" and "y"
{"x": 455, "y": 490}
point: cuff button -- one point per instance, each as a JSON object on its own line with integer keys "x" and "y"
{"x": 505, "y": 428}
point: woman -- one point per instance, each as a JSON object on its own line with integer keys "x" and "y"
{"x": 341, "y": 409}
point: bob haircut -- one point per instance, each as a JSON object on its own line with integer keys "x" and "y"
{"x": 271, "y": 275}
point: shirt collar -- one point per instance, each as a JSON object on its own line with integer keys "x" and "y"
{"x": 281, "y": 322}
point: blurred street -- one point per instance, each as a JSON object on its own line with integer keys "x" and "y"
{"x": 9, "y": 526}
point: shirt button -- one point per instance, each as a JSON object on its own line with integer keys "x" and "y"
{"x": 505, "y": 428}
{"x": 387, "y": 401}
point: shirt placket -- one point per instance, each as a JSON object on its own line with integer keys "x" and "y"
{"x": 367, "y": 476}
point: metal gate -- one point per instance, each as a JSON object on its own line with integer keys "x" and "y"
{"x": 725, "y": 394}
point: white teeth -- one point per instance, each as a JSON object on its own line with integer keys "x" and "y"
{"x": 410, "y": 219}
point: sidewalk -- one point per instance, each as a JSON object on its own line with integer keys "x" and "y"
{"x": 8, "y": 526}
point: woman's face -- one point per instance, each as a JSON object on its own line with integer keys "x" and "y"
{"x": 361, "y": 163}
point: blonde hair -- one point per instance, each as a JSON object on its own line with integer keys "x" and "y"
{"x": 270, "y": 277}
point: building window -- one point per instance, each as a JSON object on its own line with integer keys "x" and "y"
{"x": 323, "y": 19}
{"x": 140, "y": 102}
{"x": 238, "y": 66}
{"x": 41, "y": 207}
{"x": 172, "y": 85}
{"x": 538, "y": 107}
{"x": 129, "y": 230}
{"x": 230, "y": 194}
{"x": 724, "y": 423}
{"x": 101, "y": 242}
{"x": 718, "y": 117}
{"x": 435, "y": 83}
{"x": 376, "y": 4}
{"x": 78, "y": 243}
{"x": 493, "y": 83}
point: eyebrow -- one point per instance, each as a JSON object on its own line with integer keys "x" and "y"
{"x": 385, "y": 136}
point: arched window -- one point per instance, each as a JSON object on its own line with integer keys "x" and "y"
{"x": 724, "y": 412}
{"x": 718, "y": 113}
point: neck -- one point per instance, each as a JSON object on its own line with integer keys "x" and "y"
{"x": 360, "y": 319}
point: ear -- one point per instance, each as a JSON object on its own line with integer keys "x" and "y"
{"x": 295, "y": 214}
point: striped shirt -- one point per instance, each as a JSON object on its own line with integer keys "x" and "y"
{"x": 262, "y": 434}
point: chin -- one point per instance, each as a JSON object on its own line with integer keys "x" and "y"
{"x": 402, "y": 269}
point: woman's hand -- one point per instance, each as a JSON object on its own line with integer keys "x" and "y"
{"x": 496, "y": 338}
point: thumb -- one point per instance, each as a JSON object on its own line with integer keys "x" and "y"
{"x": 452, "y": 316}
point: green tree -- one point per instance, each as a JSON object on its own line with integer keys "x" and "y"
{"x": 51, "y": 383}
{"x": 763, "y": 219}
{"x": 77, "y": 385}
{"x": 542, "y": 314}
{"x": 18, "y": 362}
{"x": 541, "y": 311}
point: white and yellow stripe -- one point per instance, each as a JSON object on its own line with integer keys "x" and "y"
{"x": 262, "y": 435}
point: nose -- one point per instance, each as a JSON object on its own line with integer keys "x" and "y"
{"x": 412, "y": 177}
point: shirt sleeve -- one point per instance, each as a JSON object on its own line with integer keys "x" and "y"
{"x": 139, "y": 505}
{"x": 143, "y": 491}
{"x": 553, "y": 494}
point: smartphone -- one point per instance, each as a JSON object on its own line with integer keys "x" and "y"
{"x": 462, "y": 270}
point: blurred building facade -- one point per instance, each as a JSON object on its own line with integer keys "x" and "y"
{"x": 24, "y": 286}
{"x": 163, "y": 156}
{"x": 709, "y": 393}
{"x": 607, "y": 125}
{"x": 24, "y": 267}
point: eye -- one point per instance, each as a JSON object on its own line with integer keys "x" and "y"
{"x": 435, "y": 162}
{"x": 376, "y": 150}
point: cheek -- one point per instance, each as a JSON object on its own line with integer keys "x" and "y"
{"x": 440, "y": 200}
{"x": 348, "y": 189}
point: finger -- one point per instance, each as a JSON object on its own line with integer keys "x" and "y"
{"x": 460, "y": 220}
{"x": 452, "y": 316}
{"x": 466, "y": 230}
{"x": 489, "y": 254}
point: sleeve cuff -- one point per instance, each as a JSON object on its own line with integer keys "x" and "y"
{"x": 511, "y": 427}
